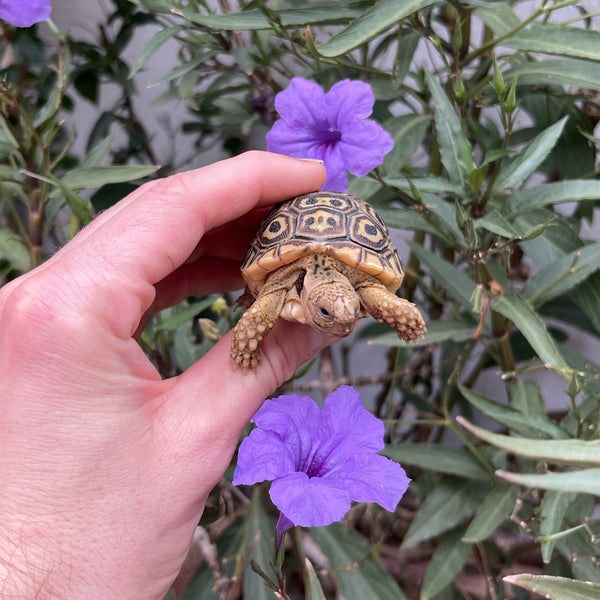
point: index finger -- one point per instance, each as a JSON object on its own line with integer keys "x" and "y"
{"x": 149, "y": 236}
{"x": 158, "y": 230}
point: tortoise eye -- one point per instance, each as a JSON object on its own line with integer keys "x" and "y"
{"x": 324, "y": 313}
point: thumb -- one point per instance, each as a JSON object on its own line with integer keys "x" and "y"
{"x": 213, "y": 389}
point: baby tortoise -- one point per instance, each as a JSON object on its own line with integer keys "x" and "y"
{"x": 324, "y": 259}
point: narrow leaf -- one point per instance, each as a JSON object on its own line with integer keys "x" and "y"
{"x": 515, "y": 172}
{"x": 556, "y": 588}
{"x": 556, "y": 192}
{"x": 358, "y": 571}
{"x": 533, "y": 425}
{"x": 406, "y": 218}
{"x": 495, "y": 222}
{"x": 455, "y": 149}
{"x": 322, "y": 13}
{"x": 408, "y": 132}
{"x": 563, "y": 275}
{"x": 445, "y": 564}
{"x": 152, "y": 47}
{"x": 92, "y": 177}
{"x": 14, "y": 250}
{"x": 586, "y": 481}
{"x": 581, "y": 74}
{"x": 441, "y": 459}
{"x": 552, "y": 38}
{"x": 437, "y": 332}
{"x": 99, "y": 152}
{"x": 520, "y": 312}
{"x": 571, "y": 452}
{"x": 553, "y": 507}
{"x": 382, "y": 15}
{"x": 458, "y": 284}
{"x": 312, "y": 585}
{"x": 494, "y": 510}
{"x": 435, "y": 185}
{"x": 451, "y": 502}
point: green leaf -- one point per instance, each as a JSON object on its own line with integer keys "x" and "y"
{"x": 455, "y": 149}
{"x": 500, "y": 18}
{"x": 520, "y": 312}
{"x": 538, "y": 425}
{"x": 182, "y": 316}
{"x": 91, "y": 177}
{"x": 572, "y": 452}
{"x": 358, "y": 571}
{"x": 435, "y": 185}
{"x": 408, "y": 132}
{"x": 495, "y": 222}
{"x": 437, "y": 332}
{"x": 451, "y": 501}
{"x": 556, "y": 588}
{"x": 312, "y": 585}
{"x": 494, "y": 510}
{"x": 551, "y": 38}
{"x": 445, "y": 214}
{"x": 409, "y": 219}
{"x": 586, "y": 481}
{"x": 557, "y": 192}
{"x": 259, "y": 547}
{"x": 441, "y": 459}
{"x": 14, "y": 250}
{"x": 553, "y": 507}
{"x": 581, "y": 74}
{"x": 152, "y": 46}
{"x": 458, "y": 284}
{"x": 381, "y": 16}
{"x": 445, "y": 564}
{"x": 99, "y": 152}
{"x": 515, "y": 172}
{"x": 563, "y": 275}
{"x": 321, "y": 13}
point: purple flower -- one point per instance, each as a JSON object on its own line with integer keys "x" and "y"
{"x": 330, "y": 126}
{"x": 24, "y": 13}
{"x": 319, "y": 460}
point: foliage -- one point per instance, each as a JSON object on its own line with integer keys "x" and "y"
{"x": 492, "y": 105}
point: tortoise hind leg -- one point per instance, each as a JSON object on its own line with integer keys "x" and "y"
{"x": 386, "y": 307}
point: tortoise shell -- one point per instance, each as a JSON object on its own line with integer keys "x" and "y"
{"x": 337, "y": 224}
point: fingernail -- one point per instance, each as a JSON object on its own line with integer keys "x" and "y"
{"x": 312, "y": 160}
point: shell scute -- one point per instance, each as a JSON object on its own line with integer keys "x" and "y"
{"x": 334, "y": 223}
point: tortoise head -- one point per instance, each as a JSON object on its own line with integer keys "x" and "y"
{"x": 330, "y": 303}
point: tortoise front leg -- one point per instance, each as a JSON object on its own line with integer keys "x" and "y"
{"x": 386, "y": 307}
{"x": 254, "y": 326}
{"x": 259, "y": 319}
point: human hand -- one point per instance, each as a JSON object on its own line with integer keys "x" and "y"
{"x": 105, "y": 467}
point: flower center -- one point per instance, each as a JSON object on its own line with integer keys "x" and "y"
{"x": 330, "y": 137}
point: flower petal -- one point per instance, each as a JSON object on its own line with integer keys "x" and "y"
{"x": 302, "y": 105}
{"x": 309, "y": 502}
{"x": 349, "y": 98}
{"x": 286, "y": 414}
{"x": 295, "y": 419}
{"x": 344, "y": 415}
{"x": 337, "y": 178}
{"x": 24, "y": 13}
{"x": 363, "y": 145}
{"x": 373, "y": 478}
{"x": 283, "y": 139}
{"x": 262, "y": 456}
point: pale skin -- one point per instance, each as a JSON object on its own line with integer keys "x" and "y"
{"x": 104, "y": 466}
{"x": 326, "y": 294}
